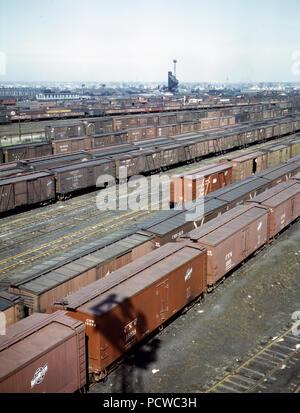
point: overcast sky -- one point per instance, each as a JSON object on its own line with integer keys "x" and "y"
{"x": 136, "y": 40}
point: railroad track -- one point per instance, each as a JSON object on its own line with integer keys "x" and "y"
{"x": 255, "y": 373}
{"x": 59, "y": 244}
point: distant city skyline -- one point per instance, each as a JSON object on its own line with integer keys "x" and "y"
{"x": 137, "y": 40}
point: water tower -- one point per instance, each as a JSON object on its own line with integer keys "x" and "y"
{"x": 172, "y": 81}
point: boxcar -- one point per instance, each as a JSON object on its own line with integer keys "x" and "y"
{"x": 44, "y": 353}
{"x": 66, "y": 130}
{"x": 107, "y": 139}
{"x": 168, "y": 130}
{"x": 71, "y": 145}
{"x": 27, "y": 189}
{"x": 39, "y": 291}
{"x": 95, "y": 127}
{"x": 169, "y": 154}
{"x": 277, "y": 154}
{"x": 231, "y": 238}
{"x": 199, "y": 182}
{"x": 26, "y": 151}
{"x": 82, "y": 175}
{"x": 283, "y": 200}
{"x": 125, "y": 122}
{"x": 136, "y": 300}
{"x": 244, "y": 166}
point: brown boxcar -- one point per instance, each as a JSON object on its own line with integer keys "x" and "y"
{"x": 11, "y": 306}
{"x": 82, "y": 175}
{"x": 66, "y": 130}
{"x": 71, "y": 145}
{"x": 129, "y": 164}
{"x": 169, "y": 154}
{"x": 231, "y": 238}
{"x": 148, "y": 160}
{"x": 136, "y": 300}
{"x": 125, "y": 122}
{"x": 39, "y": 291}
{"x": 244, "y": 166}
{"x": 138, "y": 134}
{"x": 168, "y": 130}
{"x": 26, "y": 189}
{"x": 101, "y": 125}
{"x": 107, "y": 139}
{"x": 44, "y": 353}
{"x": 26, "y": 151}
{"x": 190, "y": 185}
{"x": 283, "y": 200}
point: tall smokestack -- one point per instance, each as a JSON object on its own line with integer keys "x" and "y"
{"x": 175, "y": 61}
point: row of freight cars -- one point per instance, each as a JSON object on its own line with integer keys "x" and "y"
{"x": 91, "y": 330}
{"x": 193, "y": 184}
{"x": 192, "y": 120}
{"x": 132, "y": 135}
{"x": 39, "y": 286}
{"x": 18, "y": 114}
{"x": 51, "y": 181}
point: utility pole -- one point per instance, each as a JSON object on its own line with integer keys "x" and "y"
{"x": 19, "y": 127}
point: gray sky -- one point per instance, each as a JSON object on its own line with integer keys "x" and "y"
{"x": 136, "y": 40}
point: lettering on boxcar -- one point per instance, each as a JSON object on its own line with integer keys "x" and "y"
{"x": 188, "y": 274}
{"x": 39, "y": 375}
{"x": 89, "y": 322}
{"x": 130, "y": 329}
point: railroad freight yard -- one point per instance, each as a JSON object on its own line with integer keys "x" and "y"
{"x": 149, "y": 237}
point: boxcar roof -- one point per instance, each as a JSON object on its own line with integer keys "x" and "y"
{"x": 215, "y": 234}
{"x": 234, "y": 191}
{"x": 39, "y": 284}
{"x": 278, "y": 194}
{"x": 81, "y": 165}
{"x": 279, "y": 171}
{"x": 25, "y": 145}
{"x": 25, "y": 177}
